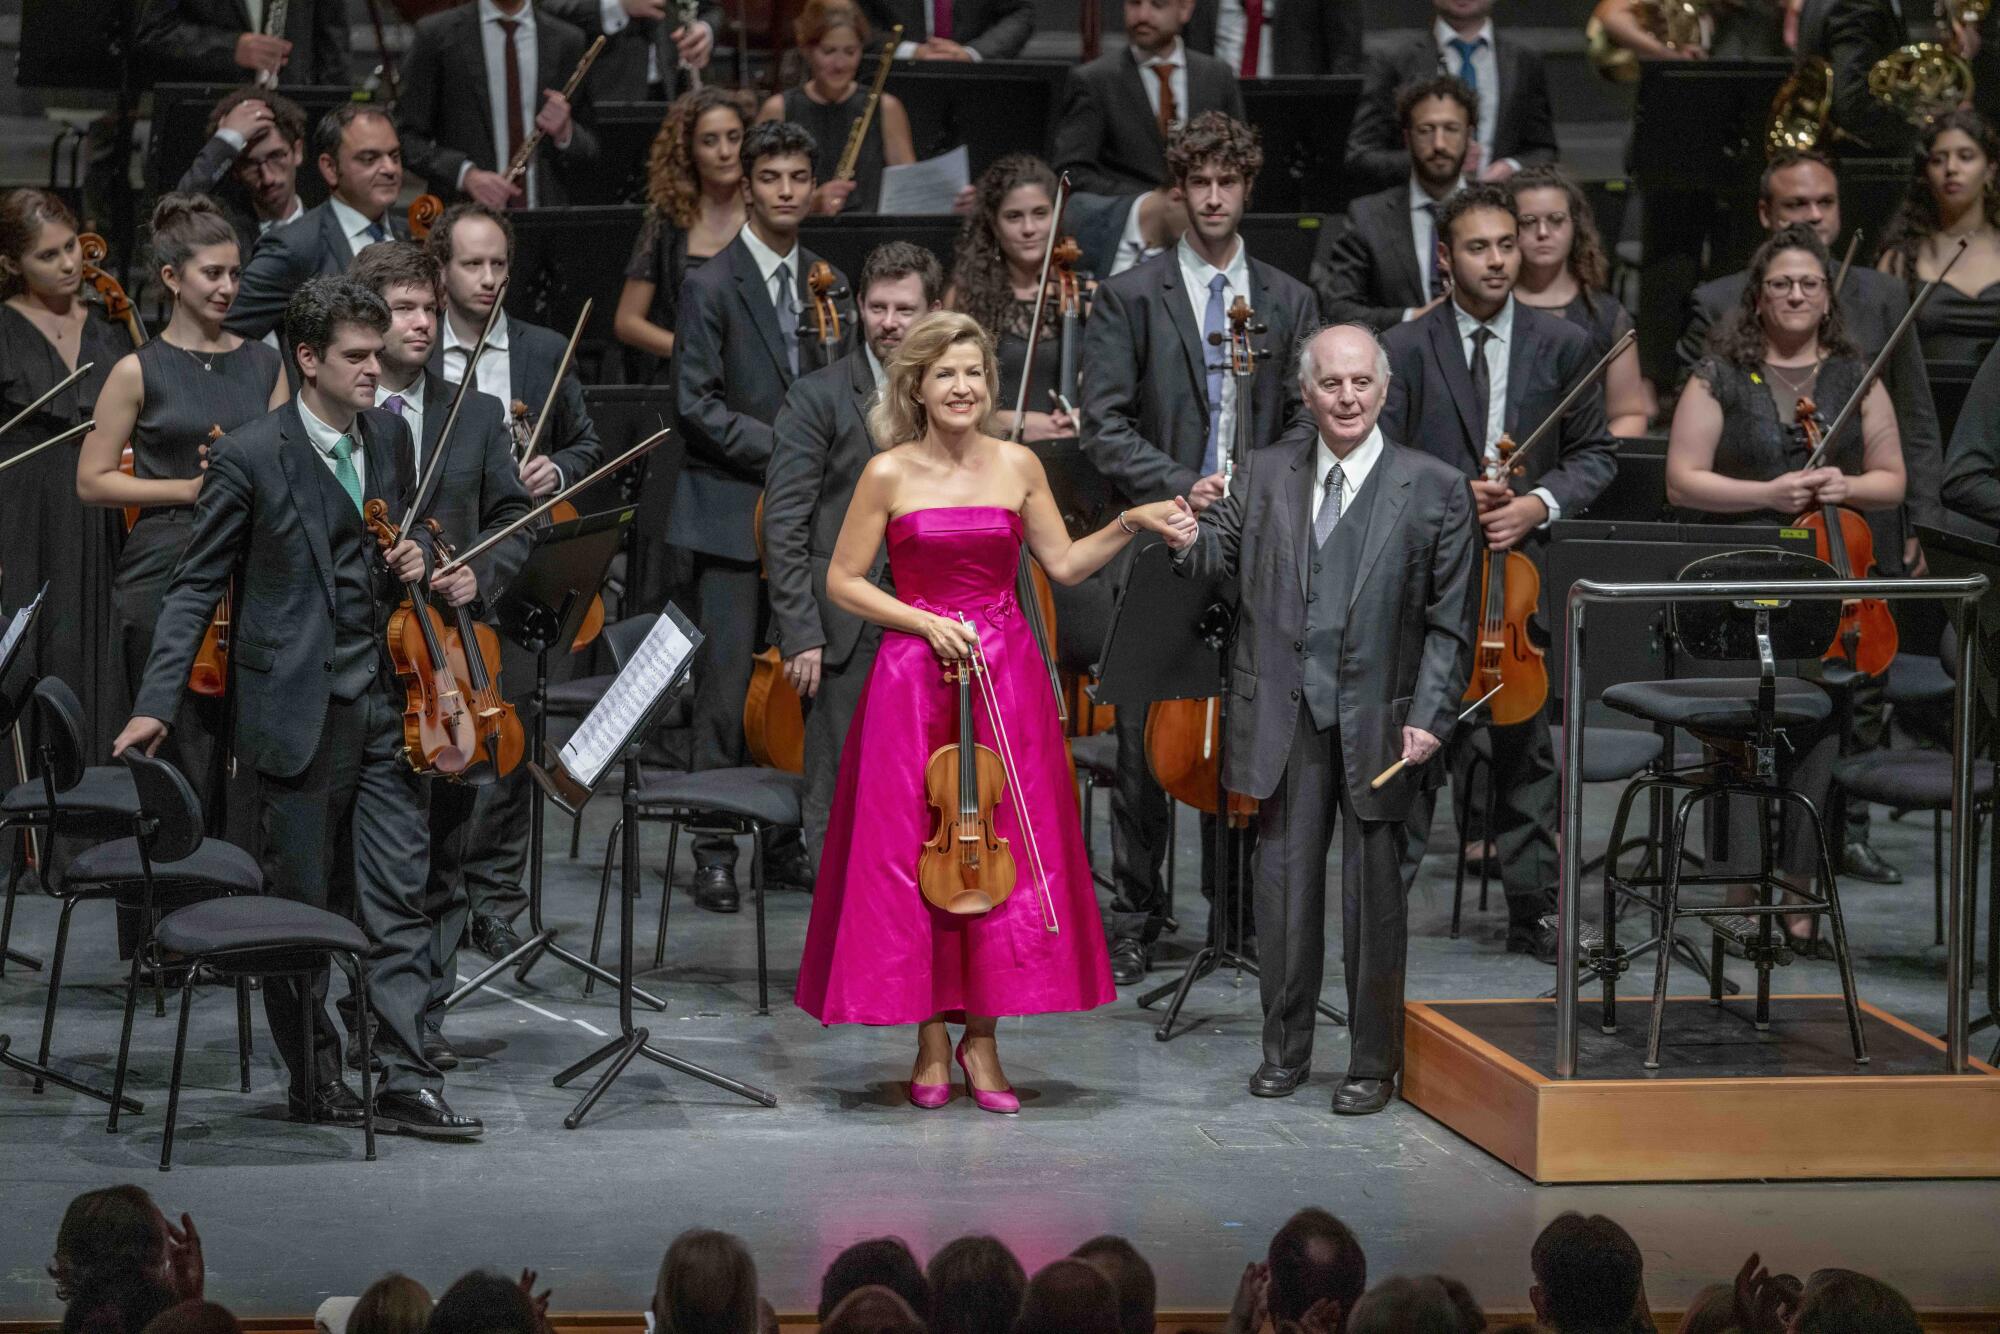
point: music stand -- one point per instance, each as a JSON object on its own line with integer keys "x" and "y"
{"x": 1169, "y": 639}
{"x": 1302, "y": 122}
{"x": 994, "y": 107}
{"x": 616, "y": 728}
{"x": 542, "y": 608}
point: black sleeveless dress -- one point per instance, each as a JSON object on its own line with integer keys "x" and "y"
{"x": 829, "y": 126}
{"x": 660, "y": 257}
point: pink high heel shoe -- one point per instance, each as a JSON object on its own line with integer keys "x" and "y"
{"x": 1004, "y": 1102}
{"x": 929, "y": 1096}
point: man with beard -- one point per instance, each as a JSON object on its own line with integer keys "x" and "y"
{"x": 250, "y": 164}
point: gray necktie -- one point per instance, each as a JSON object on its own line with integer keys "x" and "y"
{"x": 1211, "y": 334}
{"x": 788, "y": 315}
{"x": 1329, "y": 507}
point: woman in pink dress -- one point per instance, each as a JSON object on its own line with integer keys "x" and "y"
{"x": 955, "y": 505}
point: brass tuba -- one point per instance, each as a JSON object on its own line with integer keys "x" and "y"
{"x": 1680, "y": 24}
{"x": 1801, "y": 111}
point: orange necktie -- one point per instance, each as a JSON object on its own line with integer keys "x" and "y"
{"x": 1169, "y": 110}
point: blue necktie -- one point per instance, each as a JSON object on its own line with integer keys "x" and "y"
{"x": 1211, "y": 336}
{"x": 788, "y": 316}
{"x": 377, "y": 232}
{"x": 1468, "y": 73}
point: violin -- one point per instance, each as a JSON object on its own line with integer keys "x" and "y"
{"x": 965, "y": 867}
{"x": 425, "y": 210}
{"x": 210, "y": 674}
{"x": 1509, "y": 670}
{"x": 502, "y": 742}
{"x": 439, "y": 733}
{"x": 526, "y": 433}
{"x": 1866, "y": 639}
{"x": 118, "y": 307}
{"x": 774, "y": 720}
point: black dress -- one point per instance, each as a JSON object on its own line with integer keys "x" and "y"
{"x": 186, "y": 393}
{"x": 1955, "y": 327}
{"x": 48, "y": 535}
{"x": 661, "y": 258}
{"x": 829, "y": 127}
{"x": 1601, "y": 316}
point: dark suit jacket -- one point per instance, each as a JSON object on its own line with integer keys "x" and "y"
{"x": 620, "y": 72}
{"x": 195, "y": 41}
{"x": 479, "y": 489}
{"x": 1308, "y": 36}
{"x": 1409, "y": 617}
{"x": 1145, "y": 394}
{"x": 731, "y": 374}
{"x": 209, "y": 175}
{"x": 285, "y": 258}
{"x": 1431, "y": 404}
{"x": 260, "y": 519}
{"x": 996, "y": 29}
{"x": 1368, "y": 271}
{"x": 1524, "y": 130}
{"x": 820, "y": 444}
{"x": 1108, "y": 138}
{"x": 532, "y": 355}
{"x": 1972, "y": 465}
{"x": 1872, "y": 304}
{"x": 1859, "y": 33}
{"x": 446, "y": 118}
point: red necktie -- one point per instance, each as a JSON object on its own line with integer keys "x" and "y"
{"x": 1253, "y": 29}
{"x": 515, "y": 131}
{"x": 941, "y": 19}
{"x": 1169, "y": 111}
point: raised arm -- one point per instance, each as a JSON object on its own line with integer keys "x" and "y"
{"x": 1070, "y": 561}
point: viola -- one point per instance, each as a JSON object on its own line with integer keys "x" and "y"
{"x": 526, "y": 433}
{"x": 1509, "y": 670}
{"x": 965, "y": 867}
{"x": 439, "y": 732}
{"x": 210, "y": 674}
{"x": 1866, "y": 639}
{"x": 774, "y": 721}
{"x": 118, "y": 307}
{"x": 425, "y": 210}
{"x": 502, "y": 742}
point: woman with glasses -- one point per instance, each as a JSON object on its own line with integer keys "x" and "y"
{"x": 1738, "y": 454}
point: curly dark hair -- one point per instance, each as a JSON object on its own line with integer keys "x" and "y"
{"x": 106, "y": 1237}
{"x": 978, "y": 265}
{"x": 1586, "y": 249}
{"x": 1484, "y": 195}
{"x": 775, "y": 138}
{"x": 1214, "y": 136}
{"x": 1917, "y": 220}
{"x": 1738, "y": 337}
{"x": 1440, "y": 85}
{"x": 673, "y": 182}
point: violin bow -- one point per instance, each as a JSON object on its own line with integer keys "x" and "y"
{"x": 555, "y": 385}
{"x": 60, "y": 385}
{"x": 81, "y": 428}
{"x": 1576, "y": 391}
{"x": 435, "y": 465}
{"x": 1874, "y": 370}
{"x": 1041, "y": 303}
{"x": 1400, "y": 765}
{"x": 1847, "y": 261}
{"x": 493, "y": 539}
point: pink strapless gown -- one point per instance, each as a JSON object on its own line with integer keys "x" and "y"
{"x": 876, "y": 952}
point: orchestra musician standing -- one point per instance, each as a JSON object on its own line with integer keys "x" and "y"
{"x": 831, "y": 102}
{"x": 250, "y": 164}
{"x": 819, "y": 444}
{"x": 1158, "y": 419}
{"x": 205, "y": 41}
{"x": 742, "y": 340}
{"x": 650, "y": 55}
{"x": 955, "y": 29}
{"x": 317, "y": 712}
{"x": 1479, "y": 366}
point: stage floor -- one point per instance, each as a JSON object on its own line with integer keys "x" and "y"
{"x": 1119, "y": 1133}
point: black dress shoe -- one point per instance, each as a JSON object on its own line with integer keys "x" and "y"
{"x": 715, "y": 889}
{"x": 332, "y": 1104}
{"x": 439, "y": 1051}
{"x": 1860, "y": 860}
{"x": 424, "y": 1113}
{"x": 1277, "y": 1081}
{"x": 790, "y": 869}
{"x": 1361, "y": 1097}
{"x": 1129, "y": 961}
{"x": 493, "y": 936}
{"x": 1538, "y": 940}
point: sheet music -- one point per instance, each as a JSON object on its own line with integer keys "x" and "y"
{"x": 18, "y": 628}
{"x": 596, "y": 743}
{"x": 930, "y": 186}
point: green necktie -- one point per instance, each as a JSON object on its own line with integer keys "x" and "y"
{"x": 343, "y": 469}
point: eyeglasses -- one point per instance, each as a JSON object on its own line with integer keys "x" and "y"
{"x": 1808, "y": 285}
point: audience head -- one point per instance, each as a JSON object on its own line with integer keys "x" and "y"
{"x": 1557, "y": 227}
{"x": 1952, "y": 185}
{"x": 484, "y": 1303}
{"x": 1314, "y": 1258}
{"x": 196, "y": 1317}
{"x": 405, "y": 276}
{"x": 900, "y": 283}
{"x": 1343, "y": 372}
{"x": 38, "y": 248}
{"x": 1438, "y": 116}
{"x": 976, "y": 1287}
{"x": 1153, "y": 25}
{"x": 707, "y": 1285}
{"x": 1479, "y": 237}
{"x": 392, "y": 1304}
{"x": 1588, "y": 1275}
{"x": 268, "y": 167}
{"x": 699, "y": 146}
{"x": 1131, "y": 1278}
{"x": 1415, "y": 1306}
{"x": 335, "y": 328}
{"x": 882, "y": 1262}
{"x": 1786, "y": 298}
{"x": 196, "y": 249}
{"x": 1005, "y": 234}
{"x": 1211, "y": 162}
{"x": 360, "y": 157}
{"x": 1840, "y": 1301}
{"x": 110, "y": 1236}
{"x": 1069, "y": 1296}
{"x": 944, "y": 373}
{"x": 777, "y": 180}
{"x": 473, "y": 244}
{"x": 122, "y": 1306}
{"x": 831, "y": 34}
{"x": 1713, "y": 1311}
{"x": 1799, "y": 186}
{"x": 872, "y": 1310}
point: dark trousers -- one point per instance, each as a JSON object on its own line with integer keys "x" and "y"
{"x": 828, "y": 715}
{"x": 349, "y": 835}
{"x": 1295, "y": 824}
{"x": 1139, "y": 832}
{"x": 447, "y": 905}
{"x": 1524, "y": 816}
{"x": 490, "y": 857}
{"x": 729, "y": 594}
{"x": 1867, "y": 730}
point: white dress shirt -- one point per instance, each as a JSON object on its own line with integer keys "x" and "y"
{"x": 1196, "y": 273}
{"x": 1151, "y": 81}
{"x": 1423, "y": 235}
{"x": 298, "y": 211}
{"x": 413, "y": 413}
{"x": 1231, "y": 27}
{"x": 1354, "y": 470}
{"x": 323, "y": 438}
{"x": 355, "y": 227}
{"x": 768, "y": 261}
{"x": 875, "y": 370}
{"x": 496, "y": 371}
{"x": 612, "y": 20}
{"x": 907, "y": 50}
{"x": 1498, "y": 348}
{"x": 1486, "y": 65}
{"x": 493, "y": 43}
{"x": 255, "y": 9}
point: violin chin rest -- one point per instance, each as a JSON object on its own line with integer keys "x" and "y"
{"x": 969, "y": 903}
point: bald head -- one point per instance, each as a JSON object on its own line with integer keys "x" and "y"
{"x": 1344, "y": 376}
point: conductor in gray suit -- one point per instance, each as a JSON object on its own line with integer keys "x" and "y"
{"x": 1352, "y": 649}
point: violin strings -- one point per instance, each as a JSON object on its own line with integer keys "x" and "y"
{"x": 1052, "y": 926}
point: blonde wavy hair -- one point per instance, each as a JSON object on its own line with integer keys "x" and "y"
{"x": 898, "y": 416}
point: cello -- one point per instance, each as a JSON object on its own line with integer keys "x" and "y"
{"x": 1866, "y": 639}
